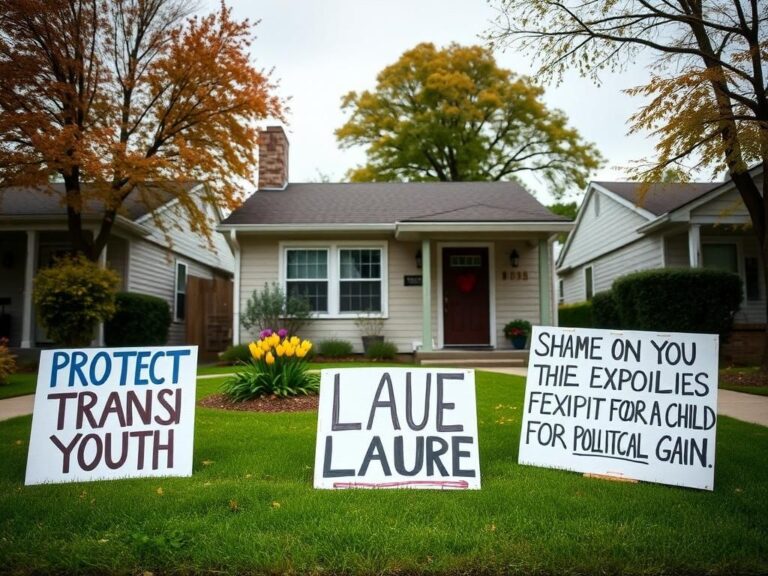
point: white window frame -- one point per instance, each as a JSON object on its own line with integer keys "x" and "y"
{"x": 328, "y": 279}
{"x": 176, "y": 290}
{"x": 334, "y": 271}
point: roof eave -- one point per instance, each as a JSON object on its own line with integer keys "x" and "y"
{"x": 299, "y": 227}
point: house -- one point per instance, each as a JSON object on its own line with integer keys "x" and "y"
{"x": 618, "y": 231}
{"x": 170, "y": 264}
{"x": 444, "y": 264}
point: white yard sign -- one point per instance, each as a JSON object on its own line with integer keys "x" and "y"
{"x": 113, "y": 413}
{"x": 635, "y": 404}
{"x": 397, "y": 428}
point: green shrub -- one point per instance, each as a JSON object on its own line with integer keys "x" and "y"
{"x": 577, "y": 315}
{"x": 140, "y": 320}
{"x": 517, "y": 328}
{"x": 381, "y": 351}
{"x": 605, "y": 313}
{"x": 7, "y": 361}
{"x": 276, "y": 367}
{"x": 335, "y": 348}
{"x": 270, "y": 309}
{"x": 678, "y": 300}
{"x": 72, "y": 297}
{"x": 236, "y": 354}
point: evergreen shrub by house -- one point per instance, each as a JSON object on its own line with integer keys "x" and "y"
{"x": 605, "y": 313}
{"x": 236, "y": 354}
{"x": 381, "y": 351}
{"x": 140, "y": 320}
{"x": 72, "y": 297}
{"x": 576, "y": 315}
{"x": 334, "y": 348}
{"x": 678, "y": 300}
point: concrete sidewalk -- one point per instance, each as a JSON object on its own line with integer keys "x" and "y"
{"x": 746, "y": 407}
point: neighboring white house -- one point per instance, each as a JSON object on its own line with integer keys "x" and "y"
{"x": 445, "y": 264}
{"x": 33, "y": 231}
{"x": 673, "y": 225}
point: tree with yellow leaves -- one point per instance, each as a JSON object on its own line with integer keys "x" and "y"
{"x": 707, "y": 89}
{"x": 109, "y": 96}
{"x": 453, "y": 114}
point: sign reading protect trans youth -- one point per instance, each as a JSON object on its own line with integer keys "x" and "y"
{"x": 106, "y": 413}
{"x": 638, "y": 405}
{"x": 397, "y": 428}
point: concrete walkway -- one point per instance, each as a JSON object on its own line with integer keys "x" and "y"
{"x": 746, "y": 407}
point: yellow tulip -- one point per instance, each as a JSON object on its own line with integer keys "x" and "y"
{"x": 300, "y": 352}
{"x": 280, "y": 350}
{"x": 289, "y": 350}
{"x": 255, "y": 350}
{"x": 270, "y": 359}
{"x": 295, "y": 341}
{"x": 274, "y": 340}
{"x": 265, "y": 345}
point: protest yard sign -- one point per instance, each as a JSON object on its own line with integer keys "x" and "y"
{"x": 106, "y": 413}
{"x": 637, "y": 405}
{"x": 397, "y": 428}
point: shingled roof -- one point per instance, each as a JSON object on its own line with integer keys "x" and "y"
{"x": 660, "y": 198}
{"x": 48, "y": 201}
{"x": 390, "y": 202}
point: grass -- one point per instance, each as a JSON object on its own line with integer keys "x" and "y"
{"x": 250, "y": 508}
{"x": 19, "y": 384}
{"x": 746, "y": 379}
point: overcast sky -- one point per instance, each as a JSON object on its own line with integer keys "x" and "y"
{"x": 322, "y": 49}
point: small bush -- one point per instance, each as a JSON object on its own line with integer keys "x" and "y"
{"x": 71, "y": 297}
{"x": 277, "y": 367}
{"x": 7, "y": 361}
{"x": 578, "y": 315}
{"x": 678, "y": 300}
{"x": 381, "y": 351}
{"x": 517, "y": 328}
{"x": 140, "y": 320}
{"x": 335, "y": 348}
{"x": 605, "y": 313}
{"x": 236, "y": 354}
{"x": 271, "y": 309}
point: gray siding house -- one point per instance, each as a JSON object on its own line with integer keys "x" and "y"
{"x": 443, "y": 264}
{"x": 618, "y": 231}
{"x": 33, "y": 231}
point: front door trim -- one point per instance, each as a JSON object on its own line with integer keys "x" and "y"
{"x": 491, "y": 287}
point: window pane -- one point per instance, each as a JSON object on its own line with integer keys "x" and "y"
{"x": 360, "y": 264}
{"x": 181, "y": 301}
{"x": 589, "y": 283}
{"x": 752, "y": 278}
{"x": 181, "y": 278}
{"x": 363, "y": 296}
{"x": 720, "y": 257}
{"x": 307, "y": 264}
{"x": 315, "y": 292}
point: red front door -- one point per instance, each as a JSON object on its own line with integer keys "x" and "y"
{"x": 466, "y": 297}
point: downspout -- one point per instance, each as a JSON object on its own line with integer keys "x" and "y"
{"x": 236, "y": 289}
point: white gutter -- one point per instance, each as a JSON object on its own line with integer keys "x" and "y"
{"x": 288, "y": 228}
{"x": 479, "y": 227}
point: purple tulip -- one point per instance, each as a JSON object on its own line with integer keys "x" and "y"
{"x": 282, "y": 332}
{"x": 265, "y": 333}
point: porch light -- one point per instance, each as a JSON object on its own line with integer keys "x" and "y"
{"x": 514, "y": 258}
{"x": 418, "y": 259}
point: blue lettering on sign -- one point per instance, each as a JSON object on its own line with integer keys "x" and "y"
{"x": 136, "y": 367}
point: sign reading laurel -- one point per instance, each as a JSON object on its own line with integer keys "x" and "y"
{"x": 638, "y": 405}
{"x": 106, "y": 413}
{"x": 397, "y": 428}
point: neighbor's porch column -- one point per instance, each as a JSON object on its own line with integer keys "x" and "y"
{"x": 27, "y": 317}
{"x": 545, "y": 284}
{"x": 100, "y": 330}
{"x": 694, "y": 245}
{"x": 426, "y": 296}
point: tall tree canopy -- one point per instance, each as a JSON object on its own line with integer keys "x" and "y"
{"x": 707, "y": 86}
{"x": 454, "y": 114}
{"x": 116, "y": 93}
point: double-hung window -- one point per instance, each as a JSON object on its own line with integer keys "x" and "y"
{"x": 338, "y": 280}
{"x": 360, "y": 280}
{"x": 180, "y": 293}
{"x": 306, "y": 276}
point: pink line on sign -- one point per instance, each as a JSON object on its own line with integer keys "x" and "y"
{"x": 449, "y": 484}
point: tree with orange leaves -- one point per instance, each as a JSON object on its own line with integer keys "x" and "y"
{"x": 110, "y": 96}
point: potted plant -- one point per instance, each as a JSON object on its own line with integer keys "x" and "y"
{"x": 517, "y": 332}
{"x": 371, "y": 325}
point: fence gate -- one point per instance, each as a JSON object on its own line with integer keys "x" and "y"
{"x": 209, "y": 315}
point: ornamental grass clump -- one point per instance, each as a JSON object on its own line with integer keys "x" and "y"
{"x": 277, "y": 367}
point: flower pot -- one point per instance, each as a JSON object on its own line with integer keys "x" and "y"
{"x": 368, "y": 340}
{"x": 518, "y": 342}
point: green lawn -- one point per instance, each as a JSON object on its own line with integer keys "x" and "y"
{"x": 19, "y": 384}
{"x": 250, "y": 508}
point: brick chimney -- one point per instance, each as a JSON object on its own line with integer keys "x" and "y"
{"x": 273, "y": 158}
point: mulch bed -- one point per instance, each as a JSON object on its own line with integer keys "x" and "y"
{"x": 745, "y": 378}
{"x": 263, "y": 404}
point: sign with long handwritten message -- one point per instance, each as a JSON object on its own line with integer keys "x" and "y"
{"x": 105, "y": 413}
{"x": 639, "y": 405}
{"x": 397, "y": 428}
